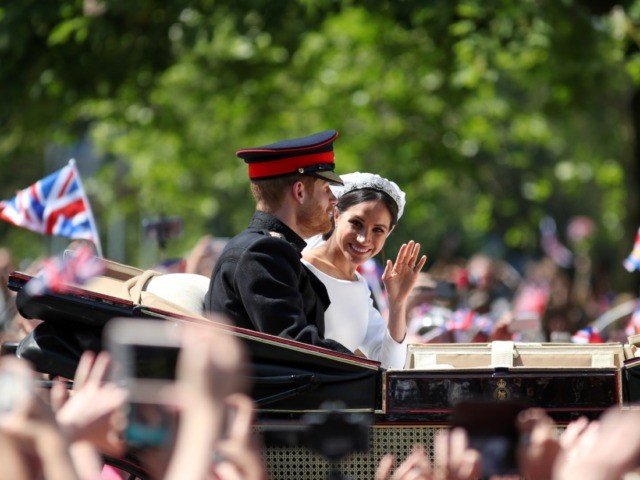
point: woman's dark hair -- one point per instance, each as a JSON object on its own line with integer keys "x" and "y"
{"x": 348, "y": 200}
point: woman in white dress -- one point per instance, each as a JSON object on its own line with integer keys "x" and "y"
{"x": 368, "y": 209}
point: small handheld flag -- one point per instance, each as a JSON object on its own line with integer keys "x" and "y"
{"x": 59, "y": 274}
{"x": 632, "y": 262}
{"x": 55, "y": 205}
{"x": 633, "y": 327}
{"x": 587, "y": 334}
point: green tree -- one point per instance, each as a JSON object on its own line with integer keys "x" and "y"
{"x": 489, "y": 114}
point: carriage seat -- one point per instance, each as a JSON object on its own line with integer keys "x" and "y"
{"x": 181, "y": 293}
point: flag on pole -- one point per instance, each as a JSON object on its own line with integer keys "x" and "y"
{"x": 632, "y": 262}
{"x": 55, "y": 205}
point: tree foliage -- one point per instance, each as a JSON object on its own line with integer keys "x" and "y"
{"x": 489, "y": 114}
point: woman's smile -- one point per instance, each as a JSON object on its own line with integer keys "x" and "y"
{"x": 359, "y": 250}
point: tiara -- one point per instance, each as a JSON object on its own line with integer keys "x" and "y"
{"x": 358, "y": 181}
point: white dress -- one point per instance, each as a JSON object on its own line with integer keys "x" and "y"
{"x": 352, "y": 320}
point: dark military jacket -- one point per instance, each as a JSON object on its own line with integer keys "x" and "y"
{"x": 260, "y": 283}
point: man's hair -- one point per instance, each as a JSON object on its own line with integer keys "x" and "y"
{"x": 269, "y": 193}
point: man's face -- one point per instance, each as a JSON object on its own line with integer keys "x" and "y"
{"x": 316, "y": 212}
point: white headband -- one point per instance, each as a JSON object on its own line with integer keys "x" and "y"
{"x": 357, "y": 181}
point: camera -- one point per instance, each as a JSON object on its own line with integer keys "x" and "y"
{"x": 162, "y": 229}
{"x": 332, "y": 432}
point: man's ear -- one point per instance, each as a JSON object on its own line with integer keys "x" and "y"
{"x": 298, "y": 191}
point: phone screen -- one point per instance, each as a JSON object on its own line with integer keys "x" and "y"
{"x": 491, "y": 428}
{"x": 498, "y": 453}
{"x": 148, "y": 425}
{"x": 149, "y": 422}
{"x": 154, "y": 362}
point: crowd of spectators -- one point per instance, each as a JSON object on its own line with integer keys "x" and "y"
{"x": 483, "y": 299}
{"x": 57, "y": 432}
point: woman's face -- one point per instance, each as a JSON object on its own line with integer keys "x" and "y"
{"x": 362, "y": 230}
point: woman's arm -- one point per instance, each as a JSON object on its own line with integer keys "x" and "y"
{"x": 379, "y": 345}
{"x": 399, "y": 279}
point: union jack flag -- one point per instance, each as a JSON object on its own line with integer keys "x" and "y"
{"x": 55, "y": 205}
{"x": 632, "y": 262}
{"x": 468, "y": 325}
{"x": 588, "y": 334}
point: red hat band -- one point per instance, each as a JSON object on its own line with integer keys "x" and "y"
{"x": 288, "y": 165}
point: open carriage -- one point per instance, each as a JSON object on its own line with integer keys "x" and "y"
{"x": 293, "y": 381}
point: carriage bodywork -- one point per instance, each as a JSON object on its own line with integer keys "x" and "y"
{"x": 292, "y": 382}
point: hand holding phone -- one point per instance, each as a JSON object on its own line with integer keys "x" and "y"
{"x": 145, "y": 354}
{"x": 492, "y": 431}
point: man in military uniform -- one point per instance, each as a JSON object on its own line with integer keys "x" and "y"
{"x": 259, "y": 280}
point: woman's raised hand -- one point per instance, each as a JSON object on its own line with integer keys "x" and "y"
{"x": 400, "y": 277}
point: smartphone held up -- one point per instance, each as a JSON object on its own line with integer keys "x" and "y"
{"x": 145, "y": 354}
{"x": 492, "y": 431}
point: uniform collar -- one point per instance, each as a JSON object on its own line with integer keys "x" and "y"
{"x": 266, "y": 221}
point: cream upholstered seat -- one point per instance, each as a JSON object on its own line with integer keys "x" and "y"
{"x": 184, "y": 289}
{"x": 181, "y": 293}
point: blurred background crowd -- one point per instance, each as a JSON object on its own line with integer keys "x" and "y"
{"x": 456, "y": 300}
